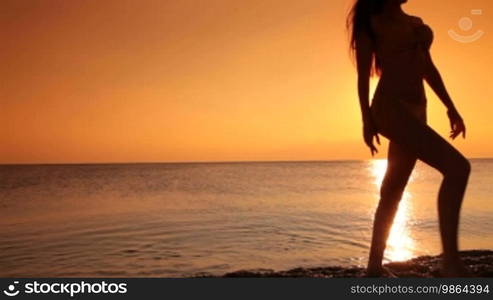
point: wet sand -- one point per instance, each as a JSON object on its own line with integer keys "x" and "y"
{"x": 480, "y": 263}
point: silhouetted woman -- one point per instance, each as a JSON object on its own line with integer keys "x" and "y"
{"x": 394, "y": 45}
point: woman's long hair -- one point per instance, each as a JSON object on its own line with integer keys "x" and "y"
{"x": 359, "y": 22}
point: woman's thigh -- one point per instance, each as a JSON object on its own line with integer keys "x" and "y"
{"x": 417, "y": 138}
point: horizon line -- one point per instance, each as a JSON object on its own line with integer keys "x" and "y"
{"x": 205, "y": 162}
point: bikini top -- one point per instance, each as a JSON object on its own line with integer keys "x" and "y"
{"x": 424, "y": 36}
{"x": 396, "y": 43}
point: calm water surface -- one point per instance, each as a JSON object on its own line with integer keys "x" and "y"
{"x": 175, "y": 220}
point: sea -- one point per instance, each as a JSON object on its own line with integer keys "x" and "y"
{"x": 189, "y": 219}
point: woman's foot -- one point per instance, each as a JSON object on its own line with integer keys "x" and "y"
{"x": 455, "y": 268}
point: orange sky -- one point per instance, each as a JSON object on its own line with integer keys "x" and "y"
{"x": 197, "y": 80}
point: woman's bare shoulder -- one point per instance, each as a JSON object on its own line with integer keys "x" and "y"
{"x": 415, "y": 20}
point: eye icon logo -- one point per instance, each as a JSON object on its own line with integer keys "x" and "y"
{"x": 11, "y": 292}
{"x": 465, "y": 24}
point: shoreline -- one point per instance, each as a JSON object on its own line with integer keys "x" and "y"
{"x": 480, "y": 263}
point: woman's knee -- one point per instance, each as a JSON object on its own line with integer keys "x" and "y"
{"x": 466, "y": 169}
{"x": 460, "y": 167}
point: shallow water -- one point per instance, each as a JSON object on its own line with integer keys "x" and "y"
{"x": 174, "y": 220}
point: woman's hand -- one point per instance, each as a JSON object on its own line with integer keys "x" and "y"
{"x": 370, "y": 132}
{"x": 456, "y": 124}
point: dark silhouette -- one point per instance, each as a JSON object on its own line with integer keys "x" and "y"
{"x": 388, "y": 42}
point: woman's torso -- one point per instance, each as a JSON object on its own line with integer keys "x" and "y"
{"x": 401, "y": 47}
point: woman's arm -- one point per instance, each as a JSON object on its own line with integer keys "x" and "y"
{"x": 434, "y": 79}
{"x": 364, "y": 59}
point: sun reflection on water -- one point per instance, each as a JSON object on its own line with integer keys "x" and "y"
{"x": 400, "y": 245}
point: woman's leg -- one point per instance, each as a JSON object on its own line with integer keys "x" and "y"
{"x": 402, "y": 128}
{"x": 400, "y": 165}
